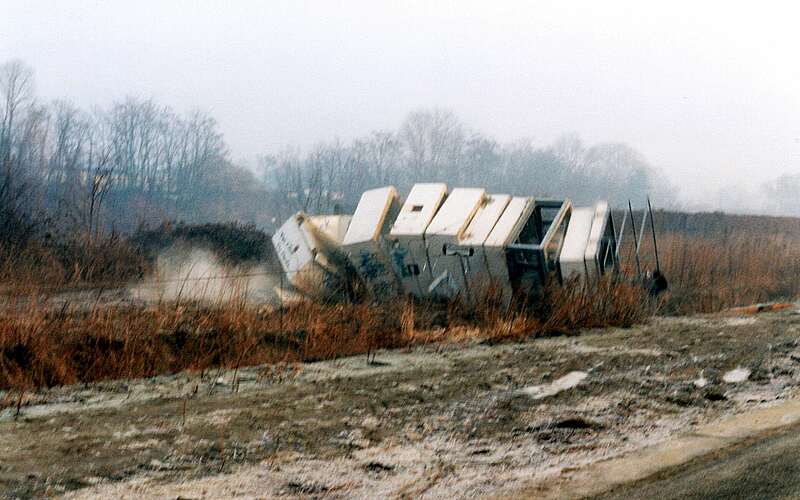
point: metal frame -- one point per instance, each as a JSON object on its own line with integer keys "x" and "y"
{"x": 647, "y": 215}
{"x": 539, "y": 250}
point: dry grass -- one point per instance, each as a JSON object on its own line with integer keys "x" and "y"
{"x": 712, "y": 274}
{"x": 42, "y": 345}
{"x": 64, "y": 262}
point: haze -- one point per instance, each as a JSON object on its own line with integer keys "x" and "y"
{"x": 708, "y": 92}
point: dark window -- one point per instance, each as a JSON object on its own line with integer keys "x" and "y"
{"x": 529, "y": 234}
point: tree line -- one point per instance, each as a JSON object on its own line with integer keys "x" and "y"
{"x": 137, "y": 161}
{"x": 433, "y": 145}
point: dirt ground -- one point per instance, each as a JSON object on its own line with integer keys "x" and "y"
{"x": 436, "y": 421}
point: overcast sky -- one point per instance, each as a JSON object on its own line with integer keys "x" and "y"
{"x": 708, "y": 91}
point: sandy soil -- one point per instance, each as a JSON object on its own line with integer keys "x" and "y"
{"x": 437, "y": 421}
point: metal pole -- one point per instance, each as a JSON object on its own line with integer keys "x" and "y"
{"x": 653, "y": 228}
{"x": 641, "y": 232}
{"x": 614, "y": 252}
{"x": 621, "y": 233}
{"x": 636, "y": 245}
{"x": 280, "y": 306}
{"x": 464, "y": 268}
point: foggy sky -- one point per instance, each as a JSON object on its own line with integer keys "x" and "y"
{"x": 708, "y": 91}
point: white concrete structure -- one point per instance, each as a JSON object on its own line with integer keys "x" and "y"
{"x": 443, "y": 237}
{"x": 307, "y": 248}
{"x": 479, "y": 275}
{"x": 572, "y": 261}
{"x": 506, "y": 231}
{"x": 365, "y": 244}
{"x": 599, "y": 246}
{"x": 330, "y": 228}
{"x": 587, "y": 245}
{"x": 407, "y": 237}
{"x": 435, "y": 245}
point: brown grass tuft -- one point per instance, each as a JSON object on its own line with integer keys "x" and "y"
{"x": 708, "y": 275}
{"x": 44, "y": 345}
{"x": 44, "y": 342}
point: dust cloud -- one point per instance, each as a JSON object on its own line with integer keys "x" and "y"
{"x": 188, "y": 273}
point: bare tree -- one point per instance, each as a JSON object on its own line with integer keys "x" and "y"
{"x": 99, "y": 182}
{"x": 16, "y": 92}
{"x": 780, "y": 195}
{"x": 16, "y": 100}
{"x": 617, "y": 172}
{"x": 570, "y": 151}
{"x": 433, "y": 142}
{"x": 378, "y": 159}
{"x": 138, "y": 161}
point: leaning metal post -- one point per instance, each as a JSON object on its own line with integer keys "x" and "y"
{"x": 635, "y": 244}
{"x": 653, "y": 228}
